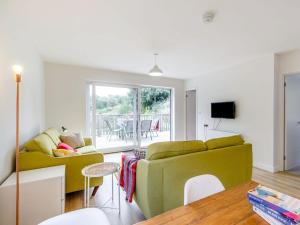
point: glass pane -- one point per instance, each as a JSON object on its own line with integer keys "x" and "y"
{"x": 90, "y": 110}
{"x": 115, "y": 123}
{"x": 155, "y": 115}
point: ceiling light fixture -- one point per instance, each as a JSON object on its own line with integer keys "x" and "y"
{"x": 155, "y": 71}
{"x": 208, "y": 17}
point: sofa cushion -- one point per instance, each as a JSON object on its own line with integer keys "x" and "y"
{"x": 224, "y": 142}
{"x": 86, "y": 149}
{"x": 41, "y": 143}
{"x": 162, "y": 150}
{"x": 88, "y": 141}
{"x": 75, "y": 140}
{"x": 54, "y": 135}
{"x": 66, "y": 147}
{"x": 64, "y": 152}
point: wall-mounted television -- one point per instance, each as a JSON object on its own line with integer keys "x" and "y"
{"x": 224, "y": 110}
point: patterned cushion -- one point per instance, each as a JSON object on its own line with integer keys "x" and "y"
{"x": 64, "y": 153}
{"x": 140, "y": 153}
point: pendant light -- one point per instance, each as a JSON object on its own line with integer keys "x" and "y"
{"x": 155, "y": 71}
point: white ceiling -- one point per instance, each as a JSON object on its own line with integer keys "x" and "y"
{"x": 123, "y": 34}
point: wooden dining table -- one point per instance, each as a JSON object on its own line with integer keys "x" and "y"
{"x": 227, "y": 207}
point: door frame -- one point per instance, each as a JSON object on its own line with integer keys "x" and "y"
{"x": 196, "y": 99}
{"x": 284, "y": 156}
{"x": 284, "y": 122}
{"x": 121, "y": 85}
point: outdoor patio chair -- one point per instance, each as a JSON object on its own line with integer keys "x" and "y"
{"x": 118, "y": 132}
{"x": 155, "y": 126}
{"x": 146, "y": 128}
{"x": 129, "y": 128}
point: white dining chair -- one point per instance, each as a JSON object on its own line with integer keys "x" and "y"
{"x": 86, "y": 216}
{"x": 200, "y": 187}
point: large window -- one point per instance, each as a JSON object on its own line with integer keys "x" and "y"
{"x": 123, "y": 117}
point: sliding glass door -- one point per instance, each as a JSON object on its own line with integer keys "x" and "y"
{"x": 155, "y": 117}
{"x": 125, "y": 117}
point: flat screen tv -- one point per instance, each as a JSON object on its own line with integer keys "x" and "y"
{"x": 224, "y": 110}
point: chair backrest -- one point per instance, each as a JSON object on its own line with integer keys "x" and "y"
{"x": 107, "y": 123}
{"x": 155, "y": 125}
{"x": 146, "y": 125}
{"x": 200, "y": 187}
{"x": 129, "y": 126}
{"x": 90, "y": 216}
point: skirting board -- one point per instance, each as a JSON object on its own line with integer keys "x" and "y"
{"x": 291, "y": 166}
{"x": 269, "y": 168}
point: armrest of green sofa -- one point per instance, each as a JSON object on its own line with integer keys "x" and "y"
{"x": 88, "y": 141}
{"x": 74, "y": 165}
{"x": 149, "y": 199}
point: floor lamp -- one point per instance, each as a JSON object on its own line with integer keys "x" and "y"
{"x": 17, "y": 72}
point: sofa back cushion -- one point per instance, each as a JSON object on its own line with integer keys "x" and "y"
{"x": 54, "y": 135}
{"x": 41, "y": 143}
{"x": 162, "y": 150}
{"x": 224, "y": 142}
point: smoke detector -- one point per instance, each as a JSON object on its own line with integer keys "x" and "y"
{"x": 208, "y": 17}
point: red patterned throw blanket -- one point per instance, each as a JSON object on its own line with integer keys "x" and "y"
{"x": 128, "y": 174}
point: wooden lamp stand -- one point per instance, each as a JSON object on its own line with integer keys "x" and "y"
{"x": 17, "y": 71}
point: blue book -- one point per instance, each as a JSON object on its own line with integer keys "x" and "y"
{"x": 276, "y": 215}
{"x": 266, "y": 217}
{"x": 282, "y": 203}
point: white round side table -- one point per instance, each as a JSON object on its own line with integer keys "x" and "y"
{"x": 101, "y": 170}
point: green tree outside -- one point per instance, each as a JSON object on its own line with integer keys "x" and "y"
{"x": 153, "y": 100}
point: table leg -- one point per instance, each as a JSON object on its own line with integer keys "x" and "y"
{"x": 88, "y": 192}
{"x": 119, "y": 198}
{"x": 84, "y": 197}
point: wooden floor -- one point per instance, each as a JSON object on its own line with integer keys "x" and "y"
{"x": 295, "y": 171}
{"x": 131, "y": 214}
{"x": 280, "y": 181}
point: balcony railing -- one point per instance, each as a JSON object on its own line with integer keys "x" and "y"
{"x": 116, "y": 121}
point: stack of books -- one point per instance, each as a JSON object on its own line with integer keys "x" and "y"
{"x": 274, "y": 207}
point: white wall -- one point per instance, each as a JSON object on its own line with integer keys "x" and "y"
{"x": 287, "y": 63}
{"x": 66, "y": 93}
{"x": 251, "y": 86}
{"x": 292, "y": 115}
{"x": 16, "y": 49}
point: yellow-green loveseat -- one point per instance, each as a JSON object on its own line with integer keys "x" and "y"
{"x": 161, "y": 176}
{"x": 37, "y": 153}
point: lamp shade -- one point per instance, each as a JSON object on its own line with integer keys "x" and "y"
{"x": 156, "y": 71}
{"x": 17, "y": 69}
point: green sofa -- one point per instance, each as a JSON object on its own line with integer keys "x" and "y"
{"x": 161, "y": 177}
{"x": 37, "y": 153}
